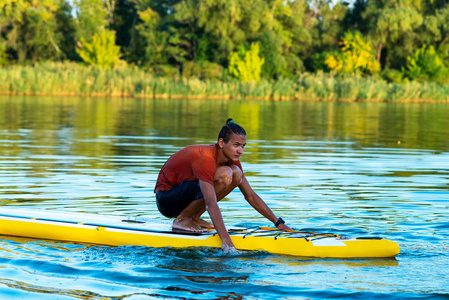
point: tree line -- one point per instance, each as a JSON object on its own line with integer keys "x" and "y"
{"x": 398, "y": 40}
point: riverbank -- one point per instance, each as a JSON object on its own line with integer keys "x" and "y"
{"x": 72, "y": 79}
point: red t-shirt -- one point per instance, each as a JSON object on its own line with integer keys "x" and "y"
{"x": 197, "y": 162}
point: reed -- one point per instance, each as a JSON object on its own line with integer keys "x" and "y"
{"x": 69, "y": 78}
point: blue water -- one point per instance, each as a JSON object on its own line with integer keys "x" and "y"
{"x": 353, "y": 169}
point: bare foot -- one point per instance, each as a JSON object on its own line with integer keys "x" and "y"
{"x": 203, "y": 223}
{"x": 187, "y": 224}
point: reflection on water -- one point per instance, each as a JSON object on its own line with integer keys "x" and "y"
{"x": 350, "y": 168}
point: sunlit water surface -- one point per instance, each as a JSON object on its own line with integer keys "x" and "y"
{"x": 349, "y": 168}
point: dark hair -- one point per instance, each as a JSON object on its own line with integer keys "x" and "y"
{"x": 229, "y": 128}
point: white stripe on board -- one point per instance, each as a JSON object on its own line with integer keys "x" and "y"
{"x": 328, "y": 242}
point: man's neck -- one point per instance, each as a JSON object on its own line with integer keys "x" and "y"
{"x": 221, "y": 158}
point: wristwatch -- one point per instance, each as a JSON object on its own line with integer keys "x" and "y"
{"x": 279, "y": 222}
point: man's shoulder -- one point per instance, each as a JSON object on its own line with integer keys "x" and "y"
{"x": 206, "y": 150}
{"x": 193, "y": 153}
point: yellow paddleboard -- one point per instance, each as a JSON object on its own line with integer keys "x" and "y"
{"x": 118, "y": 231}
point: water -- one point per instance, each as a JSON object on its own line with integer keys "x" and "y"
{"x": 349, "y": 168}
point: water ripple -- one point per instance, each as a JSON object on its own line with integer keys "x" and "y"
{"x": 349, "y": 168}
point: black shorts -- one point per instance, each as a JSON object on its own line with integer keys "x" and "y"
{"x": 171, "y": 203}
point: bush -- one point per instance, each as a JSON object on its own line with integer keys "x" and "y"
{"x": 3, "y": 56}
{"x": 319, "y": 61}
{"x": 356, "y": 55}
{"x": 426, "y": 65}
{"x": 246, "y": 65}
{"x": 203, "y": 70}
{"x": 102, "y": 52}
{"x": 392, "y": 75}
{"x": 443, "y": 53}
{"x": 164, "y": 71}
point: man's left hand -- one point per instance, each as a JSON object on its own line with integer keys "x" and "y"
{"x": 283, "y": 227}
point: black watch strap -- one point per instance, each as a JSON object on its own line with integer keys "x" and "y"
{"x": 279, "y": 222}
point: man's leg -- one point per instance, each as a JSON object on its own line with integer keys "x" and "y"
{"x": 225, "y": 180}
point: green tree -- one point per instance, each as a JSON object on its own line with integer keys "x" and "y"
{"x": 330, "y": 20}
{"x": 354, "y": 19}
{"x": 393, "y": 28}
{"x": 215, "y": 28}
{"x": 154, "y": 41}
{"x": 3, "y": 55}
{"x": 276, "y": 64}
{"x": 159, "y": 41}
{"x": 125, "y": 20}
{"x": 110, "y": 5}
{"x": 426, "y": 65}
{"x": 443, "y": 53}
{"x": 91, "y": 18}
{"x": 246, "y": 65}
{"x": 32, "y": 28}
{"x": 102, "y": 51}
{"x": 225, "y": 23}
{"x": 436, "y": 28}
{"x": 286, "y": 37}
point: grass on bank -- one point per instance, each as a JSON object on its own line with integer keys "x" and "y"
{"x": 69, "y": 78}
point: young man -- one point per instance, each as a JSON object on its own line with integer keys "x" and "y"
{"x": 195, "y": 178}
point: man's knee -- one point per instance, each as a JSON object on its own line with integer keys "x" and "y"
{"x": 228, "y": 176}
{"x": 224, "y": 175}
{"x": 237, "y": 175}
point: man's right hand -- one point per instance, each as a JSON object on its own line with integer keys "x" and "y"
{"x": 229, "y": 249}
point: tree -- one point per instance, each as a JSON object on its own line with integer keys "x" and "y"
{"x": 246, "y": 65}
{"x": 110, "y": 5}
{"x": 286, "y": 37}
{"x": 154, "y": 40}
{"x": 354, "y": 19}
{"x": 436, "y": 28}
{"x": 3, "y": 55}
{"x": 426, "y": 65}
{"x": 125, "y": 21}
{"x": 102, "y": 51}
{"x": 225, "y": 23}
{"x": 356, "y": 55}
{"x": 91, "y": 18}
{"x": 330, "y": 20}
{"x": 443, "y": 53}
{"x": 31, "y": 29}
{"x": 276, "y": 64}
{"x": 392, "y": 28}
{"x": 215, "y": 28}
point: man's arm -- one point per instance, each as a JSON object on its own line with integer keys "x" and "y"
{"x": 210, "y": 199}
{"x": 258, "y": 204}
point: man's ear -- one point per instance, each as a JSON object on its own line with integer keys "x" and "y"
{"x": 221, "y": 143}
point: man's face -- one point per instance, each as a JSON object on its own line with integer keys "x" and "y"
{"x": 233, "y": 149}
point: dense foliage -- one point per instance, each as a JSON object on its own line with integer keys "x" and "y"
{"x": 400, "y": 40}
